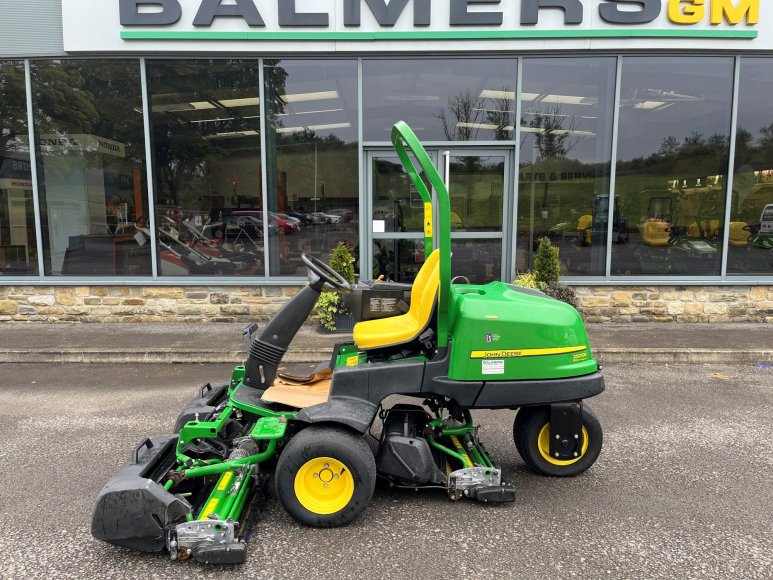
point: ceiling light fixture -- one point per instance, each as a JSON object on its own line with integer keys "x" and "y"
{"x": 570, "y": 100}
{"x": 411, "y": 98}
{"x": 315, "y": 112}
{"x": 290, "y": 129}
{"x": 246, "y": 102}
{"x": 305, "y": 97}
{"x": 231, "y": 135}
{"x": 330, "y": 126}
{"x": 492, "y": 94}
{"x": 493, "y": 110}
{"x": 652, "y": 105}
{"x": 493, "y": 127}
{"x": 572, "y": 132}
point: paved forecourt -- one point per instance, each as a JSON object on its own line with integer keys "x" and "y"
{"x": 682, "y": 487}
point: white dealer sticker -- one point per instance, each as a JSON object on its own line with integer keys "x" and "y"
{"x": 493, "y": 367}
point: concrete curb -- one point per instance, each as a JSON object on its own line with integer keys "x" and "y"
{"x": 156, "y": 356}
{"x": 683, "y": 356}
{"x": 299, "y": 355}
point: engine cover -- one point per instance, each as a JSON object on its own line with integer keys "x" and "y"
{"x": 404, "y": 455}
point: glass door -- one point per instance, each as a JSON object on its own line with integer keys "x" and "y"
{"x": 396, "y": 219}
{"x": 479, "y": 192}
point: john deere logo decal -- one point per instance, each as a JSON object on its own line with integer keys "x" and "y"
{"x": 489, "y": 354}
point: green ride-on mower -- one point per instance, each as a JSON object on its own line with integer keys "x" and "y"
{"x": 452, "y": 347}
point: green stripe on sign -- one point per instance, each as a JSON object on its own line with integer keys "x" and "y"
{"x": 434, "y": 35}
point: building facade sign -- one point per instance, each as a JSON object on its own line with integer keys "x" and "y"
{"x": 395, "y": 25}
{"x": 86, "y": 143}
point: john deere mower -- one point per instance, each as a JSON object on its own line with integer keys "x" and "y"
{"x": 450, "y": 347}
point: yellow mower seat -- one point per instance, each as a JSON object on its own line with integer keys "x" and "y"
{"x": 739, "y": 235}
{"x": 406, "y": 327}
{"x": 655, "y": 233}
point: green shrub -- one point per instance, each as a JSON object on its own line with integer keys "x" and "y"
{"x": 330, "y": 303}
{"x": 547, "y": 267}
{"x": 527, "y": 280}
{"x": 561, "y": 292}
{"x": 342, "y": 261}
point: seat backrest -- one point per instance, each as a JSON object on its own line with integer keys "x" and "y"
{"x": 425, "y": 289}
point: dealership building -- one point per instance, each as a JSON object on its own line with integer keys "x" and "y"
{"x": 171, "y": 160}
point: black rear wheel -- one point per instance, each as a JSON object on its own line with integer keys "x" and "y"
{"x": 531, "y": 432}
{"x": 325, "y": 476}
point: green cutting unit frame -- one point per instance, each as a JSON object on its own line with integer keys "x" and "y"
{"x": 196, "y": 492}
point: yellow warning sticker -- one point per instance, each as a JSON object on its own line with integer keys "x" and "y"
{"x": 427, "y": 220}
{"x": 211, "y": 506}
{"x": 477, "y": 354}
{"x": 225, "y": 480}
{"x": 353, "y": 361}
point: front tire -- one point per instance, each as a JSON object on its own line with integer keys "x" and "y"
{"x": 531, "y": 432}
{"x": 325, "y": 477}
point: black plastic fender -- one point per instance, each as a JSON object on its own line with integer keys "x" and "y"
{"x": 511, "y": 394}
{"x": 355, "y": 413}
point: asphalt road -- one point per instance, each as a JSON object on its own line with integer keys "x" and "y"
{"x": 683, "y": 487}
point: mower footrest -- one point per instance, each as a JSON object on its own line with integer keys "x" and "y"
{"x": 493, "y": 494}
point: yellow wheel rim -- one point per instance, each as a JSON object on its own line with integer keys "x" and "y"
{"x": 543, "y": 442}
{"x": 324, "y": 485}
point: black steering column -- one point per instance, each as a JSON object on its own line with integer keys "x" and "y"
{"x": 268, "y": 348}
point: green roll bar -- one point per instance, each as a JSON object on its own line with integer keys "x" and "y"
{"x": 403, "y": 139}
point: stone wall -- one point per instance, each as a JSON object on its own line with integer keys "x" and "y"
{"x": 246, "y": 304}
{"x": 676, "y": 304}
{"x": 138, "y": 304}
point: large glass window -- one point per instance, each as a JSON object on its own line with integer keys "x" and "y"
{"x": 566, "y": 136}
{"x": 18, "y": 244}
{"x": 751, "y": 214}
{"x": 313, "y": 167}
{"x": 91, "y": 167}
{"x": 672, "y": 164}
{"x": 441, "y": 99}
{"x": 207, "y": 167}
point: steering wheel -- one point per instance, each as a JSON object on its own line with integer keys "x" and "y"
{"x": 325, "y": 273}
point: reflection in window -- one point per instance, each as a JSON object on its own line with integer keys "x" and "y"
{"x": 397, "y": 260}
{"x": 91, "y": 158}
{"x": 750, "y": 250}
{"x": 441, "y": 99}
{"x": 566, "y": 136}
{"x": 207, "y": 167}
{"x": 672, "y": 164}
{"x": 313, "y": 168}
{"x": 480, "y": 261}
{"x": 476, "y": 188}
{"x": 18, "y": 246}
{"x": 397, "y": 204}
